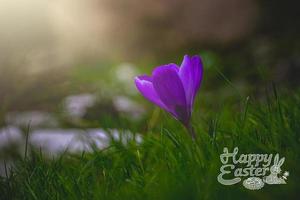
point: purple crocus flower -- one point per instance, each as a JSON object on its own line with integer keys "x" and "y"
{"x": 174, "y": 88}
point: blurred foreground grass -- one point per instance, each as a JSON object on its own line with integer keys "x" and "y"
{"x": 168, "y": 164}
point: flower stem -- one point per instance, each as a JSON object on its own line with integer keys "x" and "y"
{"x": 191, "y": 131}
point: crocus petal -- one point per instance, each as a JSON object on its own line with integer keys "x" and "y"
{"x": 191, "y": 73}
{"x": 170, "y": 90}
{"x": 145, "y": 86}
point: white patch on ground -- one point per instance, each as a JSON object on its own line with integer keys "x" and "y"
{"x": 77, "y": 105}
{"x": 128, "y": 106}
{"x": 10, "y": 135}
{"x": 125, "y": 73}
{"x": 53, "y": 142}
{"x": 56, "y": 141}
{"x": 32, "y": 118}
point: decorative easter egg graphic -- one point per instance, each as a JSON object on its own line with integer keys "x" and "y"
{"x": 253, "y": 183}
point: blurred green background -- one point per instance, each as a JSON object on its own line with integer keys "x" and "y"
{"x": 53, "y": 49}
{"x": 71, "y": 64}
